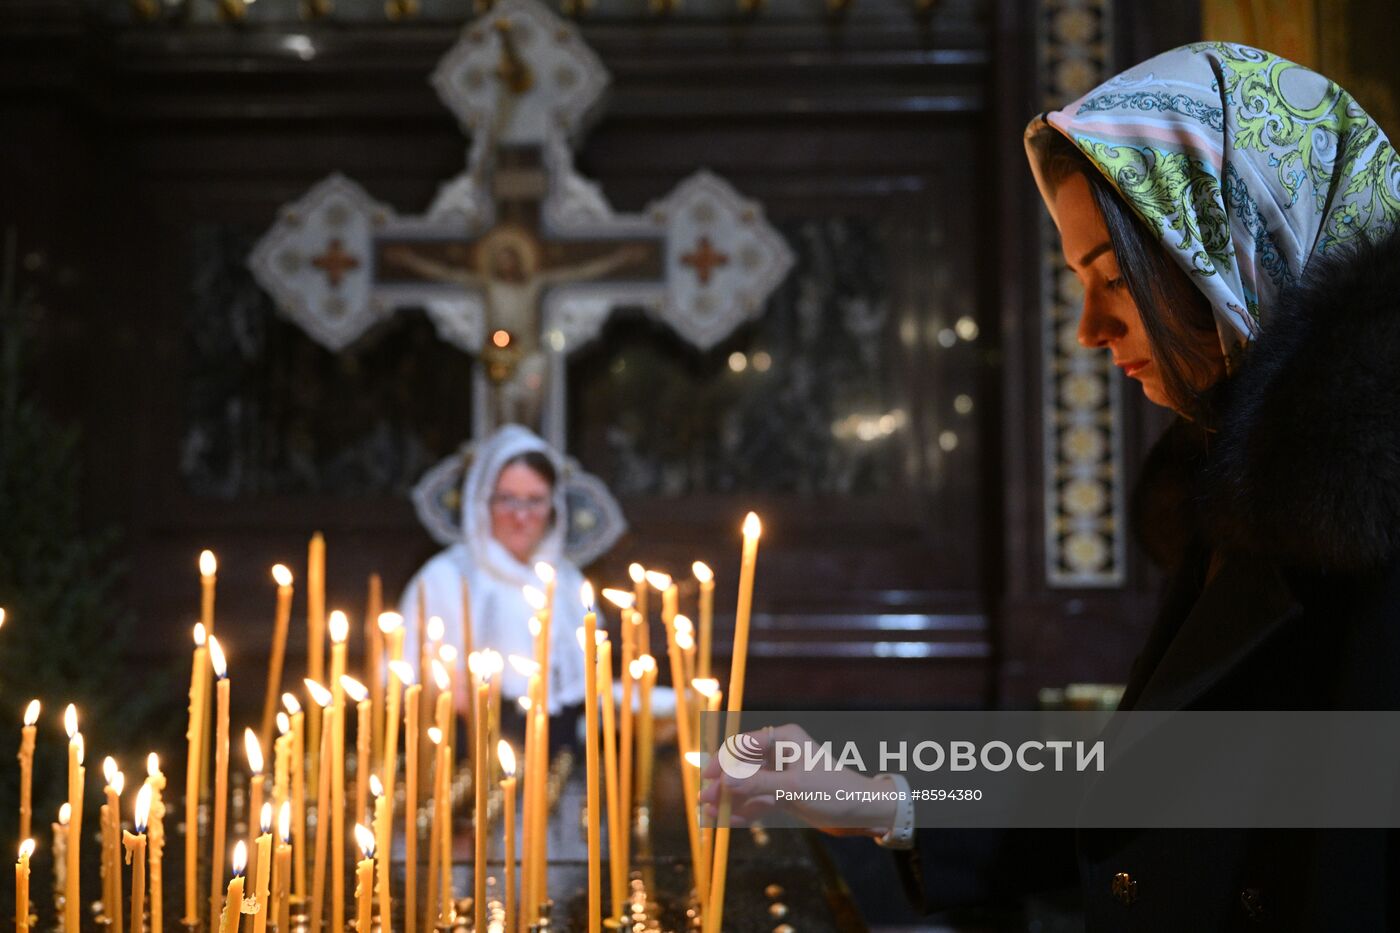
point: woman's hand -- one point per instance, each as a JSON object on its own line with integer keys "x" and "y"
{"x": 754, "y": 797}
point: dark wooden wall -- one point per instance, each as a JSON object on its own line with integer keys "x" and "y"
{"x": 120, "y": 139}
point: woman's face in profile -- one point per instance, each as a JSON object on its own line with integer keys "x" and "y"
{"x": 520, "y": 507}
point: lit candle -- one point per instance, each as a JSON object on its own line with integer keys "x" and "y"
{"x": 468, "y": 639}
{"x": 410, "y": 786}
{"x": 339, "y": 627}
{"x": 437, "y": 741}
{"x": 315, "y": 636}
{"x": 624, "y": 601}
{"x": 26, "y": 766}
{"x": 391, "y": 625}
{"x": 638, "y": 574}
{"x": 482, "y": 670}
{"x": 233, "y": 901}
{"x": 322, "y": 698}
{"x": 529, "y": 669}
{"x": 540, "y": 873}
{"x": 298, "y": 776}
{"x": 364, "y": 730}
{"x": 440, "y": 845}
{"x": 135, "y": 845}
{"x": 208, "y": 577}
{"x": 374, "y": 664}
{"x": 752, "y": 529}
{"x": 216, "y": 873}
{"x": 283, "y": 578}
{"x": 262, "y": 877}
{"x": 60, "y": 849}
{"x": 644, "y": 672}
{"x": 281, "y": 762}
{"x": 706, "y": 576}
{"x": 617, "y": 870}
{"x": 155, "y": 780}
{"x": 382, "y": 825}
{"x": 685, "y": 641}
{"x": 257, "y": 790}
{"x": 590, "y": 716}
{"x": 26, "y": 849}
{"x": 282, "y": 864}
{"x": 507, "y": 756}
{"x": 112, "y": 842}
{"x": 688, "y": 789}
{"x": 364, "y": 878}
{"x": 194, "y": 737}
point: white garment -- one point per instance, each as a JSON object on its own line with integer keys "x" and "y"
{"x": 495, "y": 579}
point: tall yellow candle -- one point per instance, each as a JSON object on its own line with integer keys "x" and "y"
{"x": 208, "y": 579}
{"x": 480, "y": 823}
{"x": 391, "y": 624}
{"x": 374, "y": 665}
{"x": 410, "y": 757}
{"x": 208, "y": 573}
{"x": 262, "y": 877}
{"x": 322, "y": 698}
{"x": 468, "y": 641}
{"x": 282, "y": 868}
{"x": 257, "y": 790}
{"x": 26, "y": 767}
{"x": 135, "y": 845}
{"x": 283, "y": 578}
{"x": 73, "y": 883}
{"x": 155, "y": 780}
{"x": 315, "y": 632}
{"x": 706, "y": 578}
{"x": 707, "y": 689}
{"x": 216, "y": 872}
{"x": 194, "y": 737}
{"x": 383, "y": 826}
{"x": 364, "y": 729}
{"x": 281, "y": 762}
{"x": 507, "y": 758}
{"x": 364, "y": 878}
{"x": 298, "y": 777}
{"x": 233, "y": 900}
{"x": 644, "y": 672}
{"x": 714, "y": 916}
{"x": 441, "y": 814}
{"x": 339, "y": 627}
{"x": 538, "y": 849}
{"x": 112, "y": 843}
{"x": 60, "y": 849}
{"x": 617, "y": 868}
{"x": 26, "y": 849}
{"x": 688, "y": 788}
{"x": 590, "y": 715}
{"x": 638, "y": 574}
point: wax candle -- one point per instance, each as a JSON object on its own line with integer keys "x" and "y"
{"x": 364, "y": 878}
{"x": 468, "y": 640}
{"x": 714, "y": 916}
{"x": 135, "y": 845}
{"x": 391, "y": 625}
{"x": 281, "y": 763}
{"x": 263, "y": 875}
{"x": 233, "y": 900}
{"x": 282, "y": 869}
{"x": 507, "y": 758}
{"x": 688, "y": 789}
{"x": 383, "y": 826}
{"x": 685, "y": 641}
{"x": 298, "y": 777}
{"x": 364, "y": 729}
{"x": 155, "y": 780}
{"x": 194, "y": 737}
{"x": 322, "y": 698}
{"x": 706, "y": 578}
{"x": 541, "y": 808}
{"x": 590, "y": 716}
{"x": 339, "y": 626}
{"x": 410, "y": 786}
{"x": 480, "y": 823}
{"x": 374, "y": 665}
{"x": 26, "y": 766}
{"x": 283, "y": 577}
{"x": 638, "y": 574}
{"x": 208, "y": 578}
{"x": 644, "y": 672}
{"x": 627, "y": 633}
{"x": 252, "y": 748}
{"x": 315, "y": 633}
{"x": 617, "y": 871}
{"x": 60, "y": 849}
{"x": 216, "y": 873}
{"x": 112, "y": 842}
{"x": 26, "y": 849}
{"x": 438, "y": 743}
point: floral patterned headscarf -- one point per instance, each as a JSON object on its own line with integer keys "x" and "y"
{"x": 1245, "y": 164}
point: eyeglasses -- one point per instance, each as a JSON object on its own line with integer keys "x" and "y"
{"x": 535, "y": 505}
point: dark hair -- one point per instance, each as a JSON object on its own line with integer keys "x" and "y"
{"x": 1173, "y": 309}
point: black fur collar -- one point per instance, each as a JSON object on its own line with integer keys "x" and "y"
{"x": 1304, "y": 465}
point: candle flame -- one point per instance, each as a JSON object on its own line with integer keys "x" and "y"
{"x": 81, "y": 746}
{"x": 31, "y": 713}
{"x": 585, "y": 595}
{"x": 507, "y": 756}
{"x": 216, "y": 658}
{"x": 376, "y": 786}
{"x": 524, "y": 666}
{"x": 70, "y": 720}
{"x": 403, "y": 671}
{"x": 534, "y": 597}
{"x": 694, "y": 759}
{"x": 2, "y": 615}
{"x": 118, "y": 783}
{"x": 435, "y": 735}
{"x": 152, "y": 765}
{"x": 683, "y": 624}
{"x": 705, "y": 686}
{"x": 109, "y": 770}
{"x": 292, "y": 704}
{"x": 200, "y": 636}
{"x": 143, "y": 808}
{"x": 253, "y": 748}
{"x": 389, "y": 622}
{"x": 208, "y": 564}
{"x": 240, "y": 858}
{"x": 26, "y": 849}
{"x": 685, "y": 641}
{"x": 494, "y": 662}
{"x": 436, "y": 628}
{"x": 365, "y": 838}
{"x": 641, "y": 666}
{"x": 524, "y": 703}
{"x": 620, "y": 598}
{"x": 265, "y": 819}
{"x": 447, "y": 654}
{"x": 339, "y": 626}
{"x": 284, "y": 723}
{"x": 545, "y": 572}
{"x": 65, "y": 814}
{"x": 440, "y": 674}
{"x": 319, "y": 694}
{"x": 281, "y": 575}
{"x": 284, "y": 821}
{"x": 658, "y": 580}
{"x": 752, "y": 526}
{"x": 637, "y": 572}
{"x": 702, "y": 572}
{"x": 534, "y": 626}
{"x": 356, "y": 690}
